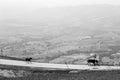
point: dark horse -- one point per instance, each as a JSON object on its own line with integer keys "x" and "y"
{"x": 28, "y": 59}
{"x": 93, "y": 61}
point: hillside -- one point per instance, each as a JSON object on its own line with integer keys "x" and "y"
{"x": 62, "y": 34}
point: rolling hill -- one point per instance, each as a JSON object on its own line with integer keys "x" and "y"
{"x": 54, "y": 35}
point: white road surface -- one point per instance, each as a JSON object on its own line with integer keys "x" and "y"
{"x": 56, "y": 66}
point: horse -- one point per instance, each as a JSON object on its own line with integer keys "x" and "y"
{"x": 28, "y": 59}
{"x": 93, "y": 61}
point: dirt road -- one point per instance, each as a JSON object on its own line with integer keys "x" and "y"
{"x": 56, "y": 66}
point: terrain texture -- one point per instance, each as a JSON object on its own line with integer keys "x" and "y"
{"x": 60, "y": 35}
{"x": 67, "y": 34}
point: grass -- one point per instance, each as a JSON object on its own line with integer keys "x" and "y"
{"x": 65, "y": 75}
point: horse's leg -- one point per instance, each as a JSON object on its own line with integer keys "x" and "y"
{"x": 30, "y": 61}
{"x": 94, "y": 63}
{"x": 97, "y": 63}
{"x": 27, "y": 61}
{"x": 88, "y": 63}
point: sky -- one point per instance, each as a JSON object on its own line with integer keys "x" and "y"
{"x": 13, "y": 8}
{"x": 53, "y": 3}
{"x": 9, "y": 6}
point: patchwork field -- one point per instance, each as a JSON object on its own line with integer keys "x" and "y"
{"x": 54, "y": 35}
{"x": 61, "y": 35}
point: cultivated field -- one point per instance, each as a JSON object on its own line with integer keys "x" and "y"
{"x": 58, "y": 36}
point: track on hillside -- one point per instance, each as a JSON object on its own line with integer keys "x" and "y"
{"x": 50, "y": 66}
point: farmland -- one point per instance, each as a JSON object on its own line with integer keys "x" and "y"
{"x": 60, "y": 35}
{"x": 65, "y": 32}
{"x": 73, "y": 50}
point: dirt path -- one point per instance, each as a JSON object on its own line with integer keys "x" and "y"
{"x": 56, "y": 66}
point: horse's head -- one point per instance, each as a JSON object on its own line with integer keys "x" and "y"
{"x": 30, "y": 57}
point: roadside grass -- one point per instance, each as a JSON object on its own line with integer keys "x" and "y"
{"x": 65, "y": 75}
{"x": 109, "y": 75}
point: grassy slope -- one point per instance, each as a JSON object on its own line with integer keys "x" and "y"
{"x": 83, "y": 75}
{"x": 60, "y": 51}
{"x": 36, "y": 74}
{"x": 61, "y": 33}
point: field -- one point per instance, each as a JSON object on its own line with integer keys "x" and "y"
{"x": 40, "y": 74}
{"x": 69, "y": 34}
{"x": 61, "y": 75}
{"x": 60, "y": 35}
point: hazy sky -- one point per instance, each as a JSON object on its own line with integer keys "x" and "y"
{"x": 18, "y": 9}
{"x": 53, "y": 3}
{"x": 8, "y": 7}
